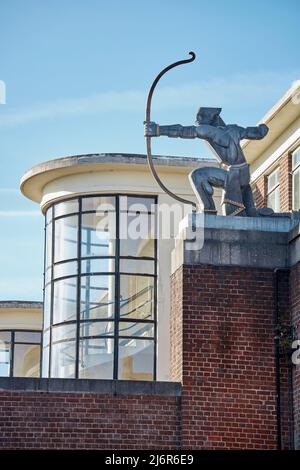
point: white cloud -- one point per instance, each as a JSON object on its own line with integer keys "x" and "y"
{"x": 248, "y": 90}
{"x": 98, "y": 103}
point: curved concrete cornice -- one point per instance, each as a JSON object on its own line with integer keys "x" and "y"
{"x": 34, "y": 180}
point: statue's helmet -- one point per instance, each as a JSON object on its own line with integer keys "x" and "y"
{"x": 209, "y": 116}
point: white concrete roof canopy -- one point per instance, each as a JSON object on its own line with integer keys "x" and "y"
{"x": 35, "y": 180}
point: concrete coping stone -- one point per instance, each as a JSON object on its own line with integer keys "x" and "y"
{"x": 107, "y": 387}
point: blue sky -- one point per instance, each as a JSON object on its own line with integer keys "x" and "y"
{"x": 77, "y": 75}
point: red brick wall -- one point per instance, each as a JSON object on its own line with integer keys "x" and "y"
{"x": 295, "y": 311}
{"x": 87, "y": 421}
{"x": 228, "y": 395}
{"x": 285, "y": 322}
{"x": 176, "y": 326}
{"x": 260, "y": 189}
{"x": 285, "y": 164}
{"x": 222, "y": 345}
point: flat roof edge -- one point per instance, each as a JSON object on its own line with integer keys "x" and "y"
{"x": 20, "y": 304}
{"x": 117, "y": 158}
{"x": 280, "y": 104}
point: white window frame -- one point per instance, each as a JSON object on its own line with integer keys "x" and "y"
{"x": 295, "y": 171}
{"x": 276, "y": 187}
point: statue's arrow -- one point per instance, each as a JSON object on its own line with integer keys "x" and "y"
{"x": 148, "y": 139}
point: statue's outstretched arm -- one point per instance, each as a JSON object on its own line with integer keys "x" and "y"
{"x": 254, "y": 133}
{"x": 175, "y": 130}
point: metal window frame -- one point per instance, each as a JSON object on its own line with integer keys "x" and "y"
{"x": 13, "y": 343}
{"x": 116, "y": 273}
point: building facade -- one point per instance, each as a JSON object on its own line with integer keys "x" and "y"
{"x": 275, "y": 160}
{"x": 162, "y": 328}
{"x": 20, "y": 338}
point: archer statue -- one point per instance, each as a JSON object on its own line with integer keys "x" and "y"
{"x": 234, "y": 176}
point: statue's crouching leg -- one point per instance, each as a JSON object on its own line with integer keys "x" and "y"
{"x": 248, "y": 201}
{"x": 203, "y": 180}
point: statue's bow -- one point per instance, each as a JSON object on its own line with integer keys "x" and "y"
{"x": 148, "y": 139}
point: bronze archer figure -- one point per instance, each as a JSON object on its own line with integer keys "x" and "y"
{"x": 224, "y": 139}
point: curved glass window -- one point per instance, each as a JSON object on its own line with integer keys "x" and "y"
{"x": 100, "y": 288}
{"x": 20, "y": 352}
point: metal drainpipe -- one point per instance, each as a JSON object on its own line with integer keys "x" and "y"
{"x": 277, "y": 328}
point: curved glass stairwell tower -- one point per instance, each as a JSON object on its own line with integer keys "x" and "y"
{"x": 100, "y": 288}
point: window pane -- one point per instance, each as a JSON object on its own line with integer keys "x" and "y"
{"x": 99, "y": 328}
{"x": 296, "y": 189}
{"x": 66, "y": 238}
{"x": 5, "y": 352}
{"x": 136, "y": 329}
{"x": 5, "y": 336}
{"x": 136, "y": 358}
{"x": 45, "y": 363}
{"x": 64, "y": 300}
{"x": 62, "y": 332}
{"x": 26, "y": 360}
{"x": 63, "y": 359}
{"x": 98, "y": 235}
{"x": 47, "y": 306}
{"x": 96, "y": 358}
{"x": 99, "y": 204}
{"x": 49, "y": 215}
{"x": 65, "y": 269}
{"x": 97, "y": 296}
{"x": 66, "y": 207}
{"x": 274, "y": 200}
{"x": 100, "y": 265}
{"x": 137, "y": 204}
{"x": 63, "y": 352}
{"x": 296, "y": 158}
{"x": 136, "y": 235}
{"x": 48, "y": 258}
{"x": 273, "y": 179}
{"x": 48, "y": 275}
{"x": 27, "y": 337}
{"x": 46, "y": 339}
{"x": 136, "y": 297}
{"x": 136, "y": 266}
